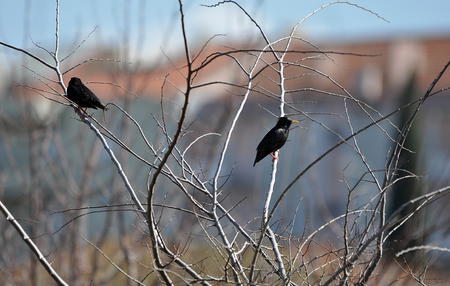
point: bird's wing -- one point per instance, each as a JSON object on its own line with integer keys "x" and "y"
{"x": 93, "y": 99}
{"x": 272, "y": 141}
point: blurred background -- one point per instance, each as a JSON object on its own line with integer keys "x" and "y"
{"x": 51, "y": 165}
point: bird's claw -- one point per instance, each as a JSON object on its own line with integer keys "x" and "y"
{"x": 274, "y": 155}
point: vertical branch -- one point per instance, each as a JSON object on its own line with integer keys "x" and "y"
{"x": 56, "y": 52}
{"x": 346, "y": 229}
{"x": 182, "y": 116}
{"x": 265, "y": 223}
{"x": 154, "y": 233}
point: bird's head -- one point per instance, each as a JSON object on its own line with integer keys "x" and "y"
{"x": 75, "y": 81}
{"x": 285, "y": 123}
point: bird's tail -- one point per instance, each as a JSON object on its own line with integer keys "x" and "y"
{"x": 257, "y": 158}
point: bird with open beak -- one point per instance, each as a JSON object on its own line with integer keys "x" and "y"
{"x": 274, "y": 139}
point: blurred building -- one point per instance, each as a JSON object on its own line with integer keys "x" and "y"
{"x": 374, "y": 72}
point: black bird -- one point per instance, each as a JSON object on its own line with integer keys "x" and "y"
{"x": 274, "y": 139}
{"x": 82, "y": 95}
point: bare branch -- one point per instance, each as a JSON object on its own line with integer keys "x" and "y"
{"x": 33, "y": 247}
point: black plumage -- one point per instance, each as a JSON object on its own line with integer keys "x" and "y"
{"x": 274, "y": 139}
{"x": 82, "y": 95}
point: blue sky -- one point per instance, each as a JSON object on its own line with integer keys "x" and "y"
{"x": 159, "y": 21}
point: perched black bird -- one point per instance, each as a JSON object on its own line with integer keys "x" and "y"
{"x": 274, "y": 139}
{"x": 83, "y": 96}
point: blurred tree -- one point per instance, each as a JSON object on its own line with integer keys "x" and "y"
{"x": 411, "y": 233}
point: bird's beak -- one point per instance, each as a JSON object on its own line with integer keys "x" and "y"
{"x": 295, "y": 121}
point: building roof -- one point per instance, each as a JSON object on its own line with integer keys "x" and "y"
{"x": 386, "y": 66}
